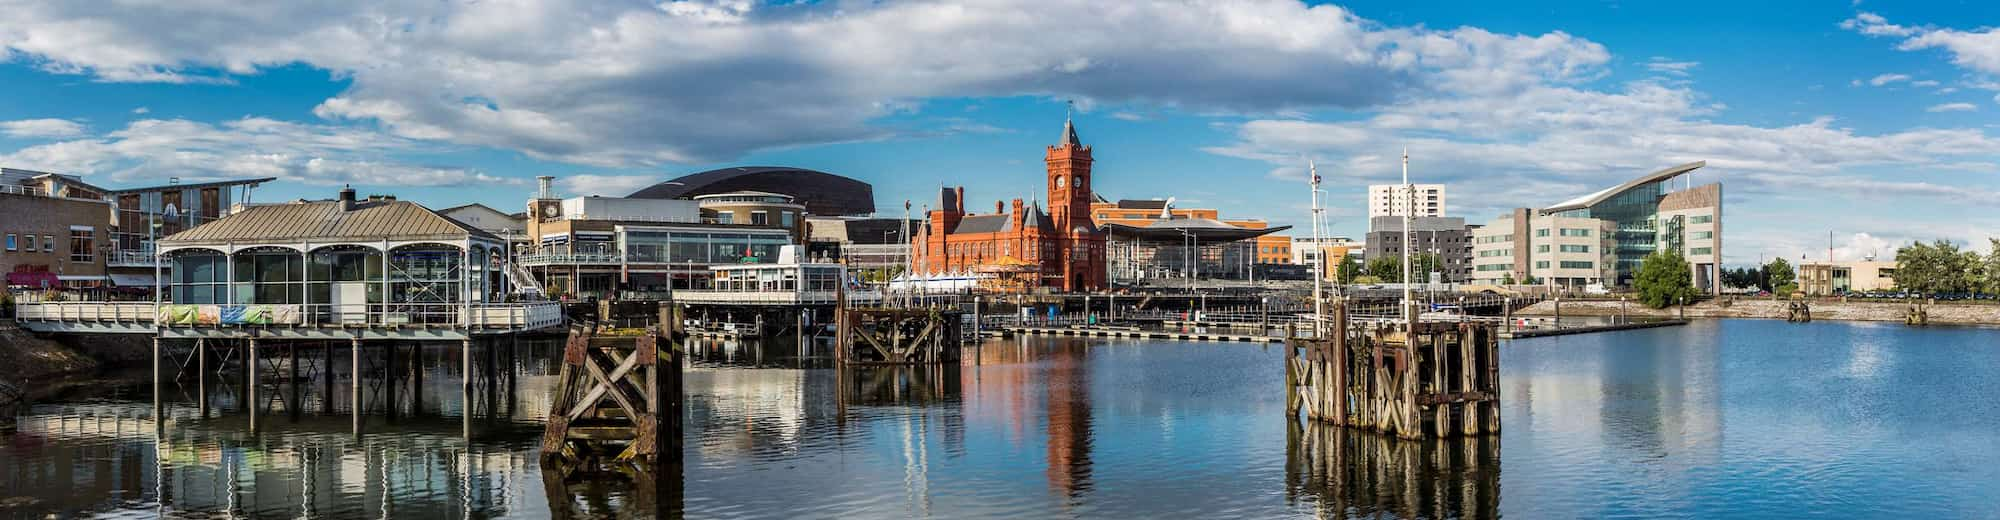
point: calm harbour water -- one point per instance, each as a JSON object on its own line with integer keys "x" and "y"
{"x": 1718, "y": 419}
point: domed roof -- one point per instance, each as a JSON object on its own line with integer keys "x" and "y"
{"x": 822, "y": 193}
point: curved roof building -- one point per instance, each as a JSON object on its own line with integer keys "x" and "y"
{"x": 821, "y": 193}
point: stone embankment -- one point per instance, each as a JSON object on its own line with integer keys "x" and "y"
{"x": 29, "y": 362}
{"x": 1939, "y": 313}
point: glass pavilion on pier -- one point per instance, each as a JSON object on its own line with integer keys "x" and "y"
{"x": 377, "y": 261}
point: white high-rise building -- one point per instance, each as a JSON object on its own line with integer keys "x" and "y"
{"x": 1389, "y": 200}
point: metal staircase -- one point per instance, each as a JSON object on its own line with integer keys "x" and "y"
{"x": 524, "y": 283}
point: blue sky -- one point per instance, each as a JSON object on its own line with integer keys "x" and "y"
{"x": 1874, "y": 121}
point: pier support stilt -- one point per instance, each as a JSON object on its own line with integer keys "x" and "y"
{"x": 354, "y": 386}
{"x": 158, "y": 407}
{"x": 201, "y": 375}
{"x": 255, "y": 404}
{"x": 465, "y": 386}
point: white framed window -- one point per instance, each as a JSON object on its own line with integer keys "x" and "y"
{"x": 10, "y": 241}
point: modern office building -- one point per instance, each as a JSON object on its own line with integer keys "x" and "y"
{"x": 1389, "y": 200}
{"x": 755, "y": 208}
{"x": 1602, "y": 237}
{"x": 1445, "y": 237}
{"x": 608, "y": 246}
{"x": 1191, "y": 248}
{"x": 1147, "y": 255}
{"x": 1307, "y": 252}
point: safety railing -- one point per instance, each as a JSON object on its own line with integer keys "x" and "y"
{"x": 571, "y": 258}
{"x": 128, "y": 258}
{"x": 710, "y": 296}
{"x": 520, "y": 316}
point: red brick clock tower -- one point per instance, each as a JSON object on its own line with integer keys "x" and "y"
{"x": 1080, "y": 244}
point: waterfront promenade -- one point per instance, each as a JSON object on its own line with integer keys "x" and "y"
{"x": 1767, "y": 308}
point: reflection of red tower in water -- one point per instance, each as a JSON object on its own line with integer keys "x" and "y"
{"x": 1068, "y": 394}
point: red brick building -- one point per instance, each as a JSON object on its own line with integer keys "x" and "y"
{"x": 1062, "y": 243}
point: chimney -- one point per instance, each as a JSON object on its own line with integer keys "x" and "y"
{"x": 346, "y": 198}
{"x": 999, "y": 207}
{"x": 546, "y": 183}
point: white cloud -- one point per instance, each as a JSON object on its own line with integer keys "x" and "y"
{"x": 1886, "y": 79}
{"x": 1977, "y": 50}
{"x": 141, "y": 110}
{"x": 41, "y": 128}
{"x": 1664, "y": 65}
{"x": 1924, "y": 83}
{"x": 152, "y": 149}
{"x": 606, "y": 185}
{"x": 616, "y": 83}
{"x": 1551, "y": 143}
{"x": 1952, "y": 107}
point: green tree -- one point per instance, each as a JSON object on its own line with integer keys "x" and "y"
{"x": 1388, "y": 269}
{"x": 1989, "y": 271}
{"x": 1508, "y": 279}
{"x": 1664, "y": 279}
{"x": 1777, "y": 274}
{"x": 1939, "y": 267}
{"x": 1348, "y": 270}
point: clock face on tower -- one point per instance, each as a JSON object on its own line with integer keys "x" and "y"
{"x": 1059, "y": 181}
{"x": 550, "y": 210}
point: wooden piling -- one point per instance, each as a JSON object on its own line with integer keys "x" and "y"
{"x": 1428, "y": 379}
{"x": 618, "y": 397}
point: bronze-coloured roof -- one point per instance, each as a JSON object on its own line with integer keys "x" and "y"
{"x": 325, "y": 221}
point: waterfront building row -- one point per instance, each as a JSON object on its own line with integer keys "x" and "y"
{"x": 1603, "y": 237}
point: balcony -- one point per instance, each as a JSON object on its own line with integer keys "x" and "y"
{"x": 783, "y": 298}
{"x": 318, "y": 321}
{"x": 128, "y": 259}
{"x": 542, "y": 259}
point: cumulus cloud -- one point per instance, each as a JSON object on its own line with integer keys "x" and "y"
{"x": 41, "y": 128}
{"x": 151, "y": 150}
{"x": 1976, "y": 50}
{"x": 1952, "y": 107}
{"x": 621, "y": 84}
{"x": 1554, "y": 142}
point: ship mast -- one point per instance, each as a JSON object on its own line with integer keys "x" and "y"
{"x": 1319, "y": 251}
{"x": 1409, "y": 207}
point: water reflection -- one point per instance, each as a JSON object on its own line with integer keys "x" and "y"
{"x": 1715, "y": 419}
{"x": 1351, "y": 473}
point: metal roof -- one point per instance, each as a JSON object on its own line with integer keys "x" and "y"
{"x": 1202, "y": 229}
{"x": 1601, "y": 195}
{"x": 183, "y": 186}
{"x": 324, "y": 221}
{"x": 1142, "y": 204}
{"x": 821, "y": 193}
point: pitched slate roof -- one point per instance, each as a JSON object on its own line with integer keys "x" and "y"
{"x": 983, "y": 224}
{"x": 324, "y": 220}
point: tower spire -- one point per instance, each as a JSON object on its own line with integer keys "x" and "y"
{"x": 1069, "y": 129}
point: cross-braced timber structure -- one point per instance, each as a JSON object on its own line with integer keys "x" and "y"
{"x": 617, "y": 399}
{"x": 1427, "y": 379}
{"x": 896, "y": 335}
